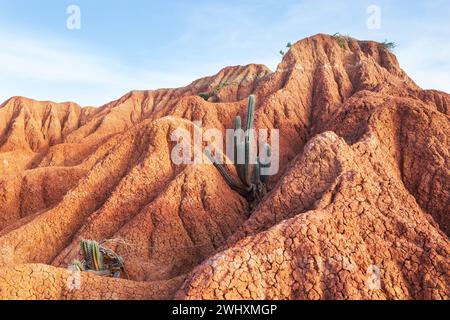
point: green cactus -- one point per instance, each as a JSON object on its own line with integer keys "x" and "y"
{"x": 97, "y": 256}
{"x": 77, "y": 265}
{"x": 99, "y": 260}
{"x": 92, "y": 255}
{"x": 214, "y": 93}
{"x": 205, "y": 95}
{"x": 341, "y": 39}
{"x": 87, "y": 253}
{"x": 251, "y": 183}
{"x": 266, "y": 164}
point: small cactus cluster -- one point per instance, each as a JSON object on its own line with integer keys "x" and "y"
{"x": 252, "y": 182}
{"x": 99, "y": 260}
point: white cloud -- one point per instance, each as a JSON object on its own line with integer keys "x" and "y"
{"x": 52, "y": 61}
{"x": 27, "y": 64}
{"x": 213, "y": 37}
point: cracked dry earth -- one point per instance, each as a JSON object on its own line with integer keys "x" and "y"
{"x": 359, "y": 209}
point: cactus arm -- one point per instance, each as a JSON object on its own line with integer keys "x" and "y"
{"x": 237, "y": 123}
{"x": 247, "y": 160}
{"x": 87, "y": 253}
{"x": 238, "y": 149}
{"x": 84, "y": 248}
{"x": 248, "y": 137}
{"x": 96, "y": 256}
{"x": 221, "y": 168}
{"x": 240, "y": 167}
{"x": 256, "y": 173}
{"x": 267, "y": 164}
{"x": 92, "y": 255}
{"x": 250, "y": 112}
{"x": 227, "y": 176}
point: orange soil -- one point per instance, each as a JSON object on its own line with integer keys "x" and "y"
{"x": 364, "y": 185}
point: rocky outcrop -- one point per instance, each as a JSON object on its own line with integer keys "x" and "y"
{"x": 359, "y": 208}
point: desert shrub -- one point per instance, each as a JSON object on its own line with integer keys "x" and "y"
{"x": 213, "y": 93}
{"x": 341, "y": 39}
{"x": 388, "y": 45}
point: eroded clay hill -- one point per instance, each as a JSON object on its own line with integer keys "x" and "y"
{"x": 359, "y": 209}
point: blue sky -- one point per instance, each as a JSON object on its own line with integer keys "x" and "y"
{"x": 137, "y": 44}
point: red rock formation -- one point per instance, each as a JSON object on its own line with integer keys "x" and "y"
{"x": 358, "y": 210}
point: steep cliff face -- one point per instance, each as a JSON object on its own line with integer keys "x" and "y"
{"x": 359, "y": 208}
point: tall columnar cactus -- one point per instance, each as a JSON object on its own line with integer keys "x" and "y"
{"x": 252, "y": 182}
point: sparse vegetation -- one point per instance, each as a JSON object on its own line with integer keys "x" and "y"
{"x": 213, "y": 93}
{"x": 252, "y": 185}
{"x": 341, "y": 39}
{"x": 99, "y": 260}
{"x": 288, "y": 46}
{"x": 388, "y": 45}
{"x": 205, "y": 95}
